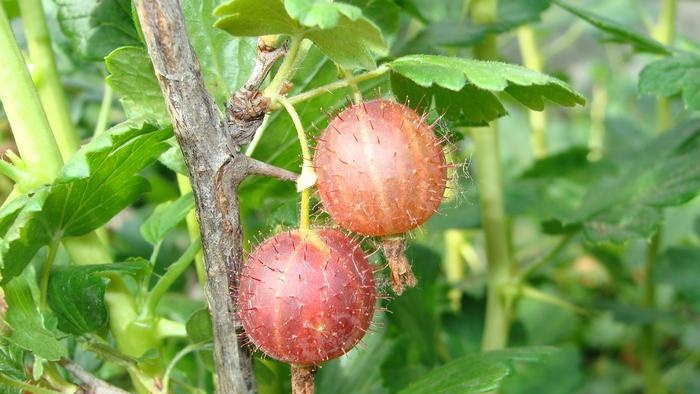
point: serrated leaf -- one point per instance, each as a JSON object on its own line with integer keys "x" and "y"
{"x": 199, "y": 328}
{"x": 76, "y": 294}
{"x": 323, "y": 14}
{"x": 384, "y": 13}
{"x": 451, "y": 30}
{"x": 225, "y": 61}
{"x": 11, "y": 365}
{"x": 476, "y": 373}
{"x": 339, "y": 30}
{"x": 166, "y": 217}
{"x": 673, "y": 75}
{"x": 133, "y": 79}
{"x": 28, "y": 329}
{"x": 627, "y": 204}
{"x": 97, "y": 183}
{"x": 460, "y": 84}
{"x": 96, "y": 28}
{"x": 617, "y": 31}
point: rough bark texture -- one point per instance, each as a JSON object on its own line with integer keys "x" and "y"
{"x": 216, "y": 167}
{"x": 303, "y": 379}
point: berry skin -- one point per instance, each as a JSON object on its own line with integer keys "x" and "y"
{"x": 381, "y": 169}
{"x": 306, "y": 297}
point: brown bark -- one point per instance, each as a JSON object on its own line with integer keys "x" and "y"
{"x": 216, "y": 167}
{"x": 303, "y": 379}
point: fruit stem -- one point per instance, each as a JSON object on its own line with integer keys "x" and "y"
{"x": 174, "y": 271}
{"x": 343, "y": 83}
{"x": 495, "y": 222}
{"x": 46, "y": 273}
{"x": 532, "y": 58}
{"x": 46, "y": 79}
{"x": 303, "y": 379}
{"x": 308, "y": 175}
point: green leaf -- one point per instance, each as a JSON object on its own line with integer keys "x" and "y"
{"x": 476, "y": 373}
{"x": 173, "y": 159}
{"x": 166, "y": 217}
{"x": 450, "y": 30}
{"x": 626, "y": 204}
{"x": 133, "y": 79}
{"x": 560, "y": 373}
{"x": 673, "y": 75}
{"x": 12, "y": 365}
{"x": 76, "y": 294}
{"x": 225, "y": 61}
{"x": 384, "y": 13}
{"x": 324, "y": 14}
{"x": 339, "y": 30}
{"x": 617, "y": 31}
{"x": 199, "y": 327}
{"x": 357, "y": 372}
{"x": 28, "y": 329}
{"x": 680, "y": 267}
{"x": 463, "y": 88}
{"x": 96, "y": 28}
{"x": 97, "y": 183}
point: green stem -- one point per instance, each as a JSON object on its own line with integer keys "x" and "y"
{"x": 599, "y": 104}
{"x": 343, "y": 83}
{"x": 649, "y": 358}
{"x": 536, "y": 265}
{"x": 46, "y": 273}
{"x": 286, "y": 70}
{"x": 454, "y": 266}
{"x": 308, "y": 174}
{"x": 182, "y": 353}
{"x": 538, "y": 295}
{"x": 12, "y": 172}
{"x": 183, "y": 183}
{"x": 22, "y": 106}
{"x": 532, "y": 58}
{"x": 665, "y": 33}
{"x": 40, "y": 152}
{"x": 174, "y": 271}
{"x": 105, "y": 108}
{"x": 493, "y": 216}
{"x": 46, "y": 78}
{"x": 5, "y": 380}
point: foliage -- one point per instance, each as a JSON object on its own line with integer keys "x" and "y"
{"x": 603, "y": 226}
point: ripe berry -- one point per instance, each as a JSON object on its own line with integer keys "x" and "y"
{"x": 306, "y": 296}
{"x": 381, "y": 169}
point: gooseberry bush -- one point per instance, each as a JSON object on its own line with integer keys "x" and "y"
{"x": 359, "y": 196}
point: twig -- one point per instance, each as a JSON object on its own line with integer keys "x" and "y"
{"x": 211, "y": 148}
{"x": 94, "y": 384}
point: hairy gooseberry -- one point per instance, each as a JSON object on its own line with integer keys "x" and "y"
{"x": 381, "y": 169}
{"x": 306, "y": 296}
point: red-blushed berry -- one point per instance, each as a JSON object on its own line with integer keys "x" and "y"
{"x": 306, "y": 296}
{"x": 381, "y": 169}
